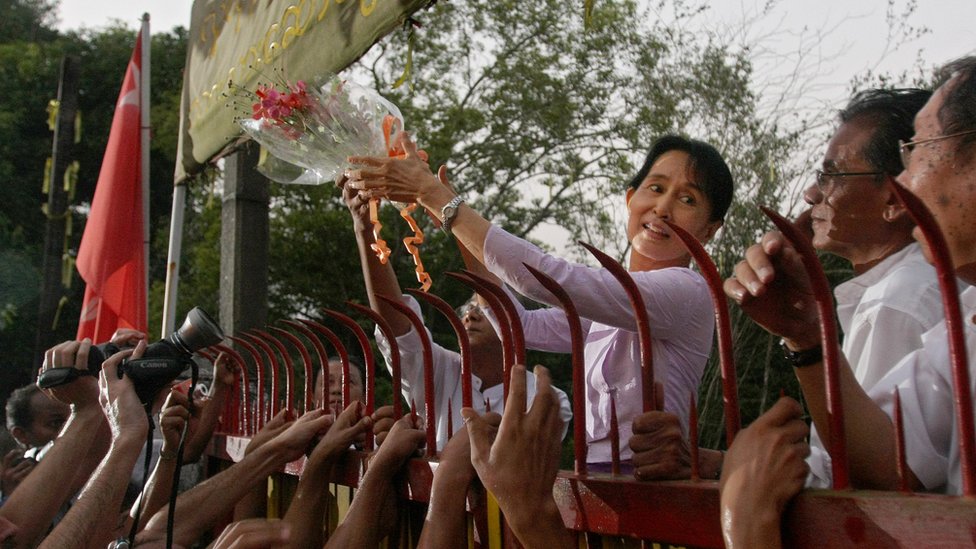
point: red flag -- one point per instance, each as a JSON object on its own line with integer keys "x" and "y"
{"x": 111, "y": 259}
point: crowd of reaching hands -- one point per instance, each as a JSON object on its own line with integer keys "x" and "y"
{"x": 515, "y": 455}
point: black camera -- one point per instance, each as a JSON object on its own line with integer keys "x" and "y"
{"x": 162, "y": 362}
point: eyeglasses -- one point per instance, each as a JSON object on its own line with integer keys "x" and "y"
{"x": 469, "y": 308}
{"x": 825, "y": 180}
{"x": 906, "y": 148}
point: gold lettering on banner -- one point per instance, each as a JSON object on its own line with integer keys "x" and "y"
{"x": 295, "y": 20}
{"x": 299, "y": 28}
{"x": 325, "y": 8}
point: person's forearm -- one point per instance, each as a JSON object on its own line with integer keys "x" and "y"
{"x": 361, "y": 527}
{"x": 40, "y": 495}
{"x": 157, "y": 490}
{"x": 542, "y": 528}
{"x": 753, "y": 529}
{"x": 380, "y": 280}
{"x": 208, "y": 423}
{"x": 869, "y": 431}
{"x": 200, "y": 507}
{"x": 306, "y": 511}
{"x": 92, "y": 520}
{"x": 446, "y": 522}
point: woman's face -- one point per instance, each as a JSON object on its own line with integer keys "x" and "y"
{"x": 667, "y": 193}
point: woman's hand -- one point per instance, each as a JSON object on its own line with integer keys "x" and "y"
{"x": 403, "y": 179}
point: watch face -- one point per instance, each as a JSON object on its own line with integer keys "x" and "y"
{"x": 449, "y": 212}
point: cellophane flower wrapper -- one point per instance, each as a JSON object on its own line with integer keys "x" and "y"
{"x": 310, "y": 131}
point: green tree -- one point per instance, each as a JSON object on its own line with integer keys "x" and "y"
{"x": 30, "y": 55}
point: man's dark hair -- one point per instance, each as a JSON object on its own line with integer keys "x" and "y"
{"x": 893, "y": 114}
{"x": 958, "y": 111}
{"x": 19, "y": 410}
{"x": 708, "y": 170}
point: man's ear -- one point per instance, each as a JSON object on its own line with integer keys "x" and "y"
{"x": 630, "y": 194}
{"x": 20, "y": 436}
{"x": 893, "y": 211}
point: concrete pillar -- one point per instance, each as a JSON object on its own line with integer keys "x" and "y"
{"x": 244, "y": 243}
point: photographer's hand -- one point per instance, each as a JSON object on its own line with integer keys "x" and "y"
{"x": 127, "y": 337}
{"x": 93, "y": 519}
{"x": 67, "y": 466}
{"x": 82, "y": 393}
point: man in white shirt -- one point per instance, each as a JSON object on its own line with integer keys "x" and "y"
{"x": 940, "y": 168}
{"x": 486, "y": 349}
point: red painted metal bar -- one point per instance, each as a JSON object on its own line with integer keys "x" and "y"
{"x": 259, "y": 367}
{"x": 430, "y": 417}
{"x": 384, "y": 327}
{"x": 614, "y": 435}
{"x": 306, "y": 364}
{"x": 900, "y": 445}
{"x": 275, "y": 370}
{"x": 643, "y": 324}
{"x": 958, "y": 358}
{"x": 248, "y": 422}
{"x": 462, "y": 336}
{"x": 323, "y": 361}
{"x": 723, "y": 325}
{"x": 368, "y": 363}
{"x": 693, "y": 435}
{"x": 504, "y": 325}
{"x": 450, "y": 418}
{"x": 289, "y": 366}
{"x": 343, "y": 357}
{"x": 837, "y": 437}
{"x": 579, "y": 382}
{"x": 508, "y": 308}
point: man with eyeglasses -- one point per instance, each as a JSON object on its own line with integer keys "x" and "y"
{"x": 894, "y": 296}
{"x": 940, "y": 168}
{"x": 486, "y": 348}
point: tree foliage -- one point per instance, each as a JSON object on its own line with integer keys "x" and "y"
{"x": 31, "y": 50}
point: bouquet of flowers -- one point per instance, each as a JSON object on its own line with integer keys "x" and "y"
{"x": 310, "y": 131}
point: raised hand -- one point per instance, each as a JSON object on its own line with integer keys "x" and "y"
{"x": 773, "y": 289}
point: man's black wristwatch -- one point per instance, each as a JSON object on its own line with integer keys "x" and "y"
{"x": 806, "y": 357}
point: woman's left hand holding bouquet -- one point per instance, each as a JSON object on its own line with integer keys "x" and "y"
{"x": 406, "y": 178}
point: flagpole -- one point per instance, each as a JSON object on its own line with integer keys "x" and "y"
{"x": 144, "y": 137}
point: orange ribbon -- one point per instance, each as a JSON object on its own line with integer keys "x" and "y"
{"x": 391, "y": 125}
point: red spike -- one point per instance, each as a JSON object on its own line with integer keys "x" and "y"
{"x": 837, "y": 440}
{"x": 384, "y": 327}
{"x": 504, "y": 326}
{"x": 643, "y": 324}
{"x": 259, "y": 370}
{"x": 369, "y": 388}
{"x": 319, "y": 352}
{"x": 430, "y": 417}
{"x": 579, "y": 381}
{"x": 693, "y": 435}
{"x": 614, "y": 435}
{"x": 462, "y": 336}
{"x": 450, "y": 419}
{"x": 958, "y": 358}
{"x": 723, "y": 324}
{"x": 487, "y": 405}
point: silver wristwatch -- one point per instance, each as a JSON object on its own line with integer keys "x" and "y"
{"x": 449, "y": 212}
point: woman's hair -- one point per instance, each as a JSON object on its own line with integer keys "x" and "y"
{"x": 708, "y": 170}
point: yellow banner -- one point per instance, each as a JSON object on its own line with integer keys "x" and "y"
{"x": 240, "y": 40}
